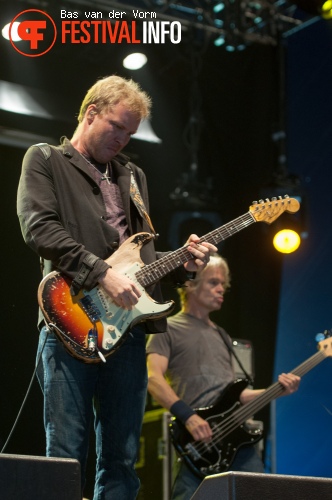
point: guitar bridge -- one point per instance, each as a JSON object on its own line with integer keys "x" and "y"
{"x": 90, "y": 308}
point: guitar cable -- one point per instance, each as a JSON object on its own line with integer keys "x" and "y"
{"x": 70, "y": 340}
{"x": 26, "y": 395}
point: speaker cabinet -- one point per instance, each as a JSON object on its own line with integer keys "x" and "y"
{"x": 24, "y": 477}
{"x": 245, "y": 353}
{"x": 253, "y": 486}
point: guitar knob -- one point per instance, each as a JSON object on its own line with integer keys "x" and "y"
{"x": 108, "y": 344}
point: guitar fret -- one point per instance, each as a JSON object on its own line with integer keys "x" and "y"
{"x": 156, "y": 270}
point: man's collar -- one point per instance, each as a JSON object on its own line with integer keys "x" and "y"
{"x": 68, "y": 150}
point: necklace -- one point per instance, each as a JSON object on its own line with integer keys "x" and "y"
{"x": 104, "y": 176}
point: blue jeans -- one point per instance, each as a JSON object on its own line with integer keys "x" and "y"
{"x": 111, "y": 395}
{"x": 186, "y": 483}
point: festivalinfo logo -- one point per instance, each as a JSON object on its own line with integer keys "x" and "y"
{"x": 37, "y": 30}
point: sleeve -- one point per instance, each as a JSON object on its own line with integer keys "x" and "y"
{"x": 159, "y": 343}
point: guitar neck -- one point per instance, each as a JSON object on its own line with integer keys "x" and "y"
{"x": 275, "y": 390}
{"x": 153, "y": 272}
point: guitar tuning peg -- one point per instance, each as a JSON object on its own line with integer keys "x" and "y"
{"x": 261, "y": 201}
{"x": 267, "y": 200}
{"x": 319, "y": 337}
{"x": 274, "y": 198}
{"x": 279, "y": 197}
{"x": 254, "y": 203}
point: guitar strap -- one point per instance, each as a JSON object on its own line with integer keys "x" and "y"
{"x": 137, "y": 200}
{"x": 232, "y": 351}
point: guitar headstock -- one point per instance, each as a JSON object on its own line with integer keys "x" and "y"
{"x": 269, "y": 210}
{"x": 325, "y": 342}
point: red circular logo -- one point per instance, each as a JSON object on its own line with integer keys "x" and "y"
{"x": 36, "y": 30}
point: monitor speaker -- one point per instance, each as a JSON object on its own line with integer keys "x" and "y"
{"x": 24, "y": 477}
{"x": 254, "y": 486}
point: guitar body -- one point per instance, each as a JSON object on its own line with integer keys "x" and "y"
{"x": 92, "y": 314}
{"x": 204, "y": 459}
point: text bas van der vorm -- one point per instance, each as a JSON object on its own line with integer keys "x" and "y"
{"x": 95, "y": 29}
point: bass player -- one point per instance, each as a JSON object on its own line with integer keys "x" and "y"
{"x": 194, "y": 357}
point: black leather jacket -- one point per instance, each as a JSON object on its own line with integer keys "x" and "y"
{"x": 62, "y": 214}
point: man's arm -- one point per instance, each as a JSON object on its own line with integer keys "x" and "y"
{"x": 161, "y": 391}
{"x": 290, "y": 382}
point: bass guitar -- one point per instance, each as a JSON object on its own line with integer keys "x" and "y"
{"x": 227, "y": 419}
{"x": 91, "y": 326}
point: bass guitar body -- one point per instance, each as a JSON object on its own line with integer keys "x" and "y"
{"x": 203, "y": 458}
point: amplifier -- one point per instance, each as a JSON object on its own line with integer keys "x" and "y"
{"x": 253, "y": 486}
{"x": 26, "y": 477}
{"x": 244, "y": 351}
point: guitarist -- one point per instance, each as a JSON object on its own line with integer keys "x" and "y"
{"x": 75, "y": 209}
{"x": 198, "y": 365}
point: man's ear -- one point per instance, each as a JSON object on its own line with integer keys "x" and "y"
{"x": 90, "y": 113}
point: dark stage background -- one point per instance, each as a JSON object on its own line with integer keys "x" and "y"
{"x": 240, "y": 110}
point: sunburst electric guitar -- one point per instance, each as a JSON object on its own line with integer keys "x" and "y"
{"x": 91, "y": 326}
{"x": 227, "y": 419}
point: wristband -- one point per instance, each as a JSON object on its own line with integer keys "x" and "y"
{"x": 181, "y": 410}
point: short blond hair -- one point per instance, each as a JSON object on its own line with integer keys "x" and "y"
{"x": 109, "y": 91}
{"x": 215, "y": 261}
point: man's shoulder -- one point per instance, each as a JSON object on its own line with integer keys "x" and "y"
{"x": 47, "y": 149}
{"x": 179, "y": 317}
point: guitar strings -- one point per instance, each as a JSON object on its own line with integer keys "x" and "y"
{"x": 156, "y": 270}
{"x": 239, "y": 416}
{"x": 148, "y": 275}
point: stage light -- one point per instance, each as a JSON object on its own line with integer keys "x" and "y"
{"x": 218, "y": 7}
{"x": 219, "y": 41}
{"x": 316, "y": 7}
{"x": 14, "y": 34}
{"x": 286, "y": 241}
{"x": 327, "y": 9}
{"x": 145, "y": 132}
{"x": 135, "y": 61}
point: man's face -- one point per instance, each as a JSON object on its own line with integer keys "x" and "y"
{"x": 209, "y": 293}
{"x": 108, "y": 132}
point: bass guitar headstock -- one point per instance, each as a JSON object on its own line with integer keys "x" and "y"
{"x": 269, "y": 210}
{"x": 325, "y": 342}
